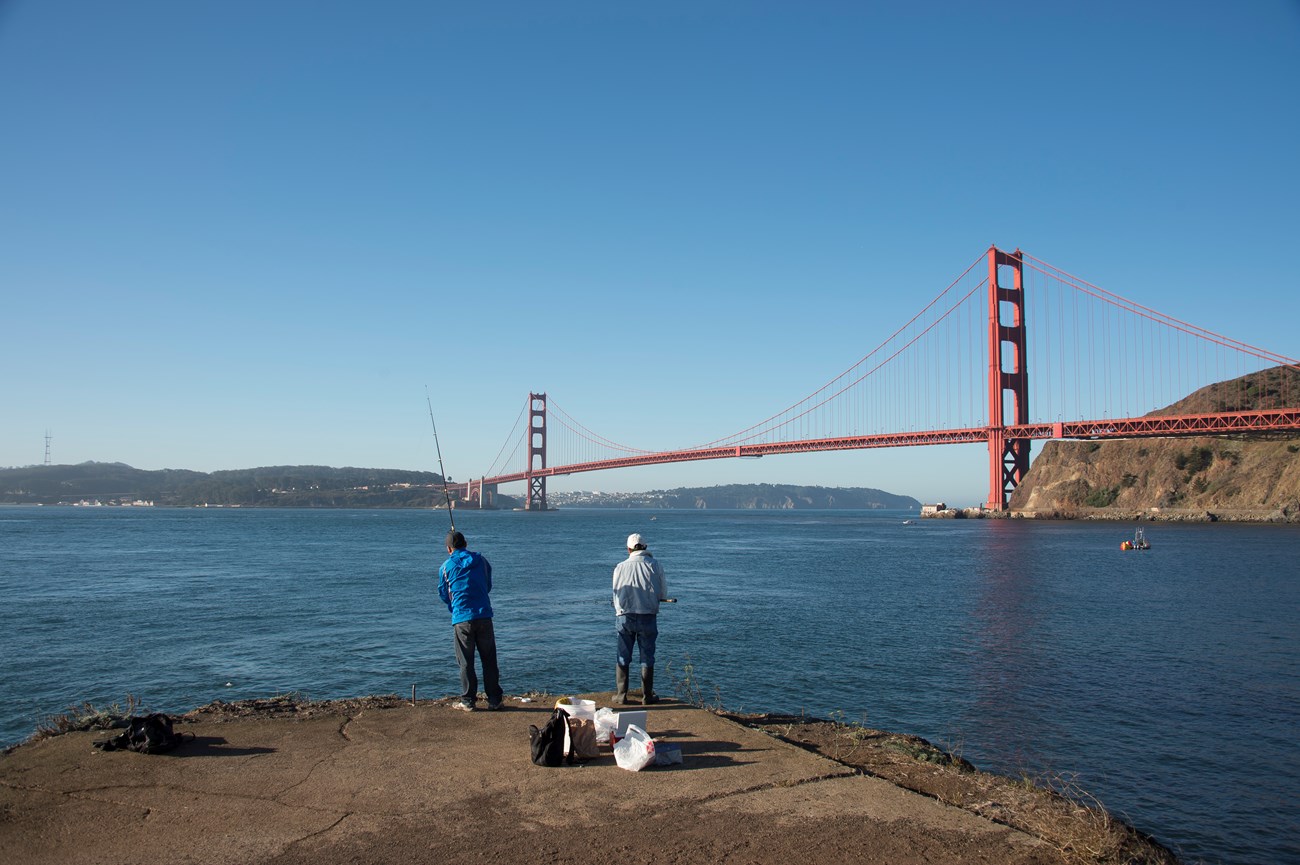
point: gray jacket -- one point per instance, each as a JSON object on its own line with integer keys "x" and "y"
{"x": 639, "y": 584}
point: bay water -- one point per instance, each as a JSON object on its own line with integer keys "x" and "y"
{"x": 1165, "y": 682}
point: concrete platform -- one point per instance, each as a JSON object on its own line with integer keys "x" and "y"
{"x": 429, "y": 783}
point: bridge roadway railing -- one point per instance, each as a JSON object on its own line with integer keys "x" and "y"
{"x": 1151, "y": 426}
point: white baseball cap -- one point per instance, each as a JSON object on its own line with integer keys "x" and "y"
{"x": 634, "y": 540}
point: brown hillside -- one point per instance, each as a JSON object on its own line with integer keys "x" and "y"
{"x": 1220, "y": 477}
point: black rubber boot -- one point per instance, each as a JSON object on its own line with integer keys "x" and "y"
{"x": 648, "y": 695}
{"x": 620, "y": 681}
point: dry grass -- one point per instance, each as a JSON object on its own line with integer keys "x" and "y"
{"x": 689, "y": 687}
{"x": 292, "y": 706}
{"x": 1058, "y": 810}
{"x": 85, "y": 716}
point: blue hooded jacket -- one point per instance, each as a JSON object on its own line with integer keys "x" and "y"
{"x": 464, "y": 582}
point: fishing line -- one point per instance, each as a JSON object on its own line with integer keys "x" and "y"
{"x": 438, "y": 447}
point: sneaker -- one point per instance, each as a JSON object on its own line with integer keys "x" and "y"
{"x": 464, "y": 705}
{"x": 495, "y": 707}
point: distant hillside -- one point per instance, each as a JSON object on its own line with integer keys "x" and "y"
{"x": 1209, "y": 477}
{"x": 272, "y": 486}
{"x": 743, "y": 497}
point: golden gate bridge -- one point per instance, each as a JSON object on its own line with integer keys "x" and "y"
{"x": 958, "y": 372}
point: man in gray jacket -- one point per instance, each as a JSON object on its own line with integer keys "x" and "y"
{"x": 639, "y": 586}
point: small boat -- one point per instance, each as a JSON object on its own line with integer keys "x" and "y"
{"x": 1139, "y": 542}
{"x": 908, "y": 522}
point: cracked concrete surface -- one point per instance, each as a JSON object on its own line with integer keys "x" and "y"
{"x": 429, "y": 783}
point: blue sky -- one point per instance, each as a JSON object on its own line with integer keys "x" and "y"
{"x": 245, "y": 233}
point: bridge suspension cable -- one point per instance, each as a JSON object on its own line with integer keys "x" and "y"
{"x": 860, "y": 411}
{"x": 513, "y": 438}
{"x": 581, "y": 432}
{"x": 1095, "y": 353}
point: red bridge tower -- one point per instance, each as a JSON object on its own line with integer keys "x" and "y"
{"x": 1008, "y": 380}
{"x": 536, "y": 451}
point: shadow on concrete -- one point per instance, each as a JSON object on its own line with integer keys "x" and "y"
{"x": 212, "y": 746}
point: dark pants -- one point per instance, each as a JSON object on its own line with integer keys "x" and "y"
{"x": 477, "y": 634}
{"x": 640, "y": 629}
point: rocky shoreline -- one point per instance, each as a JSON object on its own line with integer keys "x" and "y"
{"x": 1166, "y": 515}
{"x": 1155, "y": 515}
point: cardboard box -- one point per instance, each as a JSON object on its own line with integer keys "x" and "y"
{"x": 622, "y": 719}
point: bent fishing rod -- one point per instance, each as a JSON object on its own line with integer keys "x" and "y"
{"x": 441, "y": 470}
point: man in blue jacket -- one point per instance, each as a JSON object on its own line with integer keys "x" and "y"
{"x": 464, "y": 582}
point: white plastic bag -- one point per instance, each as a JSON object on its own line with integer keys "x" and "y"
{"x": 606, "y": 722}
{"x": 636, "y": 750}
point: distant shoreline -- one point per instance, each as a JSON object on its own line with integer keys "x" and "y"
{"x": 1260, "y": 516}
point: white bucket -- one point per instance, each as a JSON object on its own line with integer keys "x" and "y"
{"x": 577, "y": 708}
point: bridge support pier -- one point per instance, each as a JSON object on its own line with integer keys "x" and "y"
{"x": 1008, "y": 379}
{"x": 480, "y": 494}
{"x": 536, "y": 452}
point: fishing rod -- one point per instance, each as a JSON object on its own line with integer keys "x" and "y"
{"x": 441, "y": 470}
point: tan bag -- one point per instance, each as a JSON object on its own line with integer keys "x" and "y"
{"x": 582, "y": 733}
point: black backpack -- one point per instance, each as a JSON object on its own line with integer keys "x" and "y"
{"x": 148, "y": 734}
{"x": 548, "y": 742}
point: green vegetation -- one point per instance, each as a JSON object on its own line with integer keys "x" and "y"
{"x": 1196, "y": 460}
{"x": 922, "y": 751}
{"x": 1102, "y": 497}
